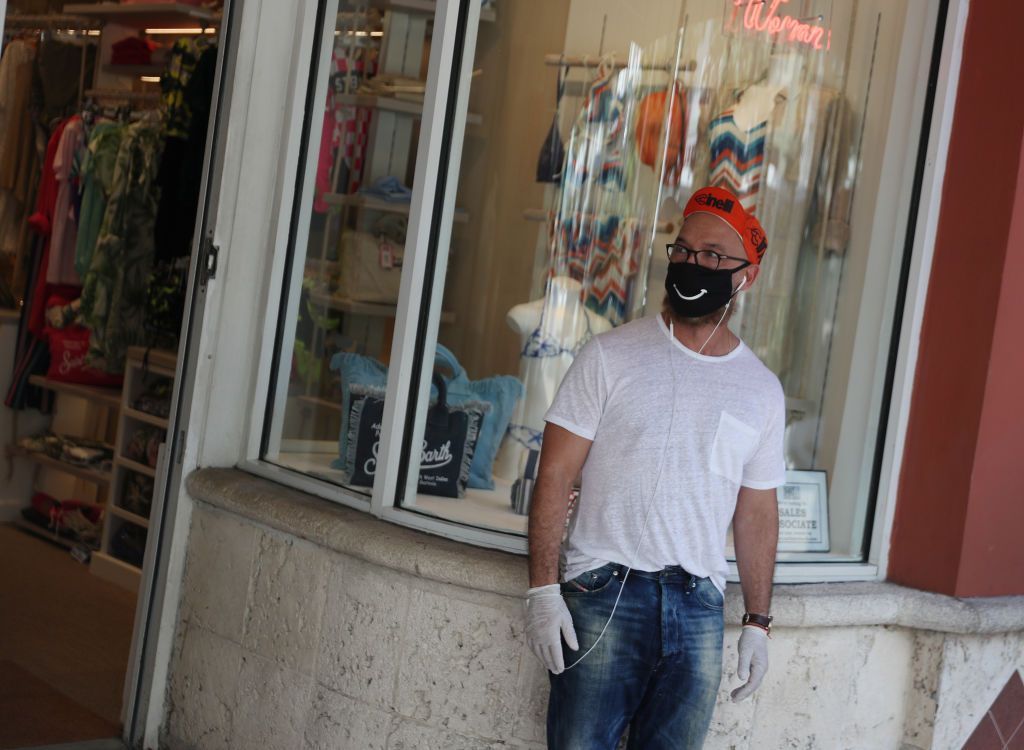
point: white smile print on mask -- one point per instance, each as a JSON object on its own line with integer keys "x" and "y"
{"x": 689, "y": 299}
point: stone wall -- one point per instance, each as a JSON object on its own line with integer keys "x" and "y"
{"x": 286, "y": 641}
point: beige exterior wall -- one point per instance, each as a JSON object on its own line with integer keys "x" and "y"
{"x": 302, "y": 624}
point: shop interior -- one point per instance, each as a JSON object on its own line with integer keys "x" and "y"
{"x": 104, "y": 109}
{"x": 589, "y": 125}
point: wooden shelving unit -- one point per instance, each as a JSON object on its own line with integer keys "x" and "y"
{"x": 141, "y": 416}
{"x": 82, "y": 472}
{"x": 129, "y": 516}
{"x": 141, "y": 365}
{"x": 127, "y": 463}
{"x": 110, "y": 397}
{"x": 39, "y": 531}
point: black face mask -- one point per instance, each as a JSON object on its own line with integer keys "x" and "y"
{"x": 695, "y": 291}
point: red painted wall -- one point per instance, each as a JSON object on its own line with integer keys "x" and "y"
{"x": 992, "y": 562}
{"x": 959, "y": 497}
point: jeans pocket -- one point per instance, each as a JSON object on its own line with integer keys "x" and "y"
{"x": 708, "y": 595}
{"x": 592, "y": 581}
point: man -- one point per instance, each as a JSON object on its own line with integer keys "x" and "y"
{"x": 677, "y": 428}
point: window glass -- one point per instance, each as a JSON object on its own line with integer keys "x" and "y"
{"x": 359, "y": 160}
{"x": 595, "y": 127}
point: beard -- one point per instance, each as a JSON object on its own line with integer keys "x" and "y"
{"x": 711, "y": 318}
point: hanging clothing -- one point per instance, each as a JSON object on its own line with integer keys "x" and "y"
{"x": 597, "y": 232}
{"x": 345, "y": 127}
{"x": 96, "y": 175}
{"x": 805, "y": 211}
{"x": 60, "y": 268}
{"x": 116, "y": 284}
{"x": 737, "y": 158}
{"x": 41, "y": 221}
{"x": 18, "y": 158}
{"x": 182, "y": 61}
{"x": 181, "y": 166}
{"x": 551, "y": 160}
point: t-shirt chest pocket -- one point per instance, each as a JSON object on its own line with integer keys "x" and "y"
{"x": 734, "y": 444}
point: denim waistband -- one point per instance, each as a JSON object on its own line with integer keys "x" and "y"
{"x": 669, "y": 572}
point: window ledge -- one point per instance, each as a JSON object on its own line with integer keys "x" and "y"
{"x": 422, "y": 555}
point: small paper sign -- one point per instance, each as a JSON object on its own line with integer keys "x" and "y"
{"x": 803, "y": 512}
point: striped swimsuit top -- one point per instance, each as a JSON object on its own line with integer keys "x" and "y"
{"x": 737, "y": 158}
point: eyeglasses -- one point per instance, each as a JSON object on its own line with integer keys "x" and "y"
{"x": 708, "y": 259}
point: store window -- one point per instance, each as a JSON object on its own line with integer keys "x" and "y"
{"x": 347, "y": 254}
{"x": 590, "y": 126}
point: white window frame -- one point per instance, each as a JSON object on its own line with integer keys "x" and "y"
{"x": 901, "y": 144}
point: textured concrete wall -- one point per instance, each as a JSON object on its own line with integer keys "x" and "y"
{"x": 283, "y": 643}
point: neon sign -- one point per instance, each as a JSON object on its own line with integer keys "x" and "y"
{"x": 763, "y": 16}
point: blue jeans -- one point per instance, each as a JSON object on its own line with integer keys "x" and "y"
{"x": 657, "y": 669}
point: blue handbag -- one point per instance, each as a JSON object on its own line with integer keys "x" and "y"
{"x": 500, "y": 391}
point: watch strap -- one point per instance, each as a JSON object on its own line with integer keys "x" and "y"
{"x": 752, "y": 618}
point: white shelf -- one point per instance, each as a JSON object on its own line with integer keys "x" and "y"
{"x": 422, "y": 7}
{"x": 425, "y": 7}
{"x": 413, "y": 108}
{"x": 140, "y": 363}
{"x": 371, "y": 203}
{"x": 320, "y": 403}
{"x": 106, "y": 397}
{"x": 141, "y": 416}
{"x": 159, "y": 361}
{"x": 369, "y": 309}
{"x": 142, "y": 15}
{"x": 127, "y": 463}
{"x": 82, "y": 472}
{"x": 43, "y": 533}
{"x": 127, "y": 515}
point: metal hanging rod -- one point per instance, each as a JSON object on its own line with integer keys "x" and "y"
{"x": 52, "y": 21}
{"x": 541, "y": 215}
{"x": 592, "y": 61}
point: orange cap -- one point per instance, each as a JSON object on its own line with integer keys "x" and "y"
{"x": 727, "y": 207}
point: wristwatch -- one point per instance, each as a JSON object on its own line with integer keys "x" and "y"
{"x": 762, "y": 621}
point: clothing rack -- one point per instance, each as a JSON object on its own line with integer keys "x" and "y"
{"x": 84, "y": 33}
{"x": 53, "y": 22}
{"x": 593, "y": 61}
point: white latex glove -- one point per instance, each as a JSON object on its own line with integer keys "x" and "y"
{"x": 547, "y": 620}
{"x": 753, "y": 661}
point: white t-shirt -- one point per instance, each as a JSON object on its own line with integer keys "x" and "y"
{"x": 727, "y": 416}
